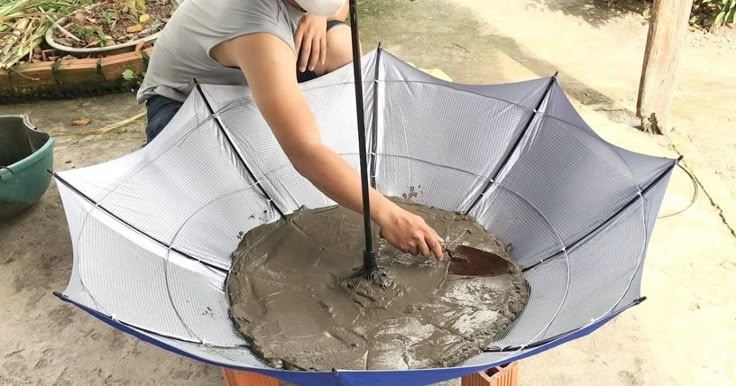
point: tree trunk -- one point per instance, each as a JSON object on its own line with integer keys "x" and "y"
{"x": 667, "y": 30}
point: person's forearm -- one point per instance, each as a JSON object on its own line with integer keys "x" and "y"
{"x": 334, "y": 177}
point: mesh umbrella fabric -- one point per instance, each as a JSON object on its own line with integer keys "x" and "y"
{"x": 153, "y": 231}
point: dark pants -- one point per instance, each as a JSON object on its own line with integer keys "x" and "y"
{"x": 160, "y": 109}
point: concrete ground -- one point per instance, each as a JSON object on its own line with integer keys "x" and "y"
{"x": 684, "y": 334}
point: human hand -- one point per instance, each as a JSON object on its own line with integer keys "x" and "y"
{"x": 311, "y": 42}
{"x": 409, "y": 233}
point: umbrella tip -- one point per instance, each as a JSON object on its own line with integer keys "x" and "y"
{"x": 555, "y": 74}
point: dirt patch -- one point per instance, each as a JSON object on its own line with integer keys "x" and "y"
{"x": 289, "y": 298}
{"x": 112, "y": 22}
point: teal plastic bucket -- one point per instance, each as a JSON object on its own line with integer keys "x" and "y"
{"x": 26, "y": 155}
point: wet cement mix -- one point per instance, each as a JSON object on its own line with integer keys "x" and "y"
{"x": 289, "y": 297}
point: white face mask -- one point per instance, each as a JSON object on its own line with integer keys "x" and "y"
{"x": 321, "y": 7}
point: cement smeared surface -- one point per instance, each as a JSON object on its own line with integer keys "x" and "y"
{"x": 288, "y": 298}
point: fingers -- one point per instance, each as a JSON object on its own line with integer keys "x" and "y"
{"x": 316, "y": 53}
{"x": 298, "y": 45}
{"x": 435, "y": 243}
{"x": 424, "y": 248}
{"x": 411, "y": 234}
{"x": 305, "y": 53}
{"x": 323, "y": 50}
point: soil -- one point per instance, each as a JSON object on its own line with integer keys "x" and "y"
{"x": 290, "y": 298}
{"x": 112, "y": 22}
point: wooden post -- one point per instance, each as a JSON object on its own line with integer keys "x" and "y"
{"x": 667, "y": 30}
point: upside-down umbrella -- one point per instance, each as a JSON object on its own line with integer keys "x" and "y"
{"x": 153, "y": 231}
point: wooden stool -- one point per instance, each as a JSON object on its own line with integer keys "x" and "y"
{"x": 498, "y": 376}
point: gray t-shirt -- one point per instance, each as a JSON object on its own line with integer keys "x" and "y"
{"x": 182, "y": 51}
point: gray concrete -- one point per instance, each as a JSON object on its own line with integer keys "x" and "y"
{"x": 685, "y": 332}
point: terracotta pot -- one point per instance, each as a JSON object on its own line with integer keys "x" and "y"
{"x": 246, "y": 378}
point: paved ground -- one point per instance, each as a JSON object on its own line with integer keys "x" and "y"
{"x": 684, "y": 334}
{"x": 598, "y": 51}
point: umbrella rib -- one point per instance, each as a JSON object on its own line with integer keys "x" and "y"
{"x": 110, "y": 320}
{"x": 634, "y": 199}
{"x": 374, "y": 129}
{"x": 494, "y": 175}
{"x": 133, "y": 227}
{"x": 230, "y": 142}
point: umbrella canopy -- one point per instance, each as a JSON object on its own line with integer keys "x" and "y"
{"x": 153, "y": 231}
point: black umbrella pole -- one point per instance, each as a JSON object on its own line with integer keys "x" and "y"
{"x": 370, "y": 272}
{"x": 369, "y": 255}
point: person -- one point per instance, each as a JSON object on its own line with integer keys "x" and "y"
{"x": 272, "y": 45}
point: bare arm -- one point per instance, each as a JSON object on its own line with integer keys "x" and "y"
{"x": 271, "y": 75}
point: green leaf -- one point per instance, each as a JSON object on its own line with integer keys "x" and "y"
{"x": 719, "y": 18}
{"x": 731, "y": 16}
{"x": 129, "y": 75}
